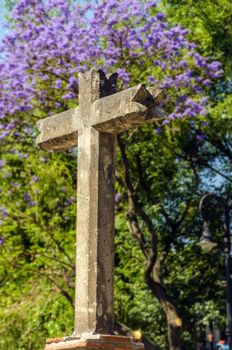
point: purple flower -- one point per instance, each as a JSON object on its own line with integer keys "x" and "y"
{"x": 152, "y": 80}
{"x": 58, "y": 84}
{"x": 4, "y": 212}
{"x": 44, "y": 159}
{"x": 159, "y": 130}
{"x": 28, "y": 130}
{"x": 4, "y": 134}
{"x": 2, "y": 163}
{"x": 22, "y": 155}
{"x": 200, "y": 137}
{"x": 2, "y": 240}
{"x": 52, "y": 41}
{"x": 123, "y": 75}
{"x": 215, "y": 65}
{"x": 70, "y": 200}
{"x": 27, "y": 197}
{"x": 73, "y": 81}
{"x": 118, "y": 197}
{"x": 10, "y": 126}
{"x": 207, "y": 82}
{"x": 68, "y": 96}
{"x": 160, "y": 16}
{"x": 35, "y": 179}
{"x": 166, "y": 122}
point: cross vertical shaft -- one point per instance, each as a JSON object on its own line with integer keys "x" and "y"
{"x": 95, "y": 221}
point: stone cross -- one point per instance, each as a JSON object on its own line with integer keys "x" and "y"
{"x": 102, "y": 113}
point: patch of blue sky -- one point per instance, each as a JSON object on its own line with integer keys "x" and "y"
{"x": 2, "y": 20}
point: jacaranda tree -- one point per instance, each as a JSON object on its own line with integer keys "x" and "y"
{"x": 48, "y": 44}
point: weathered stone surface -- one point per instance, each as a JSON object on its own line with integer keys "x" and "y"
{"x": 93, "y": 126}
{"x": 92, "y": 86}
{"x": 95, "y": 216}
{"x": 60, "y": 131}
{"x": 124, "y": 110}
{"x": 112, "y": 114}
{"x": 95, "y": 232}
{"x": 101, "y": 342}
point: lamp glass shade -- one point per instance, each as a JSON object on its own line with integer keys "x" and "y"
{"x": 206, "y": 244}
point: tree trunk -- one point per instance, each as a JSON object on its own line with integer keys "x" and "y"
{"x": 173, "y": 326}
{"x": 154, "y": 283}
{"x": 153, "y": 271}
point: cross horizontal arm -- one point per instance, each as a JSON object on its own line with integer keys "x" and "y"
{"x": 60, "y": 131}
{"x": 112, "y": 114}
{"x": 126, "y": 109}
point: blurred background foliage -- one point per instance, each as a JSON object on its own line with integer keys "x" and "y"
{"x": 170, "y": 171}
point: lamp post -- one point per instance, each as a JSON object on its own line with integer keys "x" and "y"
{"x": 207, "y": 205}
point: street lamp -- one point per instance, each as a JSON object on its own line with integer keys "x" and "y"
{"x": 206, "y": 243}
{"x": 208, "y": 204}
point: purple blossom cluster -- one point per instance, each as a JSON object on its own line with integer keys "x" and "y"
{"x": 27, "y": 199}
{"x": 118, "y": 197}
{"x": 50, "y": 42}
{"x": 70, "y": 201}
{"x": 3, "y": 212}
{"x": 2, "y": 163}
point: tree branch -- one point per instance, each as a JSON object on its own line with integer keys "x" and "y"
{"x": 134, "y": 206}
{"x": 62, "y": 291}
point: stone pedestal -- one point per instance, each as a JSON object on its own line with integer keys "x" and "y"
{"x": 95, "y": 342}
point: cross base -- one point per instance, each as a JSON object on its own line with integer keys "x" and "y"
{"x": 94, "y": 342}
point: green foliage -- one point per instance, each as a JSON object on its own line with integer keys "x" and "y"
{"x": 170, "y": 172}
{"x": 33, "y": 316}
{"x": 210, "y": 24}
{"x": 134, "y": 304}
{"x": 38, "y": 225}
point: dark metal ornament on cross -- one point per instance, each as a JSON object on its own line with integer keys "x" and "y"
{"x": 102, "y": 113}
